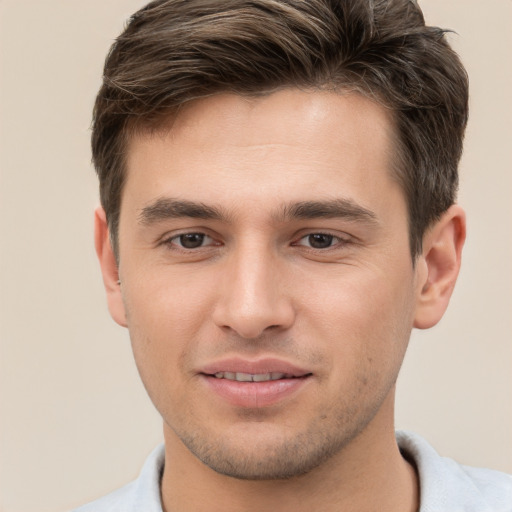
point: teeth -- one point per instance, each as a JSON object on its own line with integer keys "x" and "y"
{"x": 261, "y": 377}
{"x": 250, "y": 377}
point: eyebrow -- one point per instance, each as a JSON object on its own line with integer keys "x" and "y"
{"x": 335, "y": 208}
{"x": 169, "y": 208}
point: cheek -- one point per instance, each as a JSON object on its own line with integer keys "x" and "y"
{"x": 365, "y": 319}
{"x": 164, "y": 324}
{"x": 166, "y": 303}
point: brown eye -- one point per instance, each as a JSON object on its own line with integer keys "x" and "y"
{"x": 191, "y": 240}
{"x": 320, "y": 240}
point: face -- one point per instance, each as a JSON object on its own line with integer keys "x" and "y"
{"x": 267, "y": 282}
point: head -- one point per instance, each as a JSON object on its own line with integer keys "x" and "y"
{"x": 277, "y": 180}
{"x": 172, "y": 53}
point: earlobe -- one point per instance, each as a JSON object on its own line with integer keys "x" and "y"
{"x": 441, "y": 257}
{"x": 109, "y": 268}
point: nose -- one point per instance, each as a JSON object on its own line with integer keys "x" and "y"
{"x": 253, "y": 296}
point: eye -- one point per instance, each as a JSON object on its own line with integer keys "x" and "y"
{"x": 191, "y": 240}
{"x": 320, "y": 241}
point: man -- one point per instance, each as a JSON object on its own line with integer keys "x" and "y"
{"x": 278, "y": 184}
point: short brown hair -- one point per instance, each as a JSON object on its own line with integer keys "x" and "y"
{"x": 175, "y": 51}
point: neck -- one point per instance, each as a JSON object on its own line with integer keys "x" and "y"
{"x": 369, "y": 474}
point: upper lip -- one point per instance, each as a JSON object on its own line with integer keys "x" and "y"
{"x": 254, "y": 367}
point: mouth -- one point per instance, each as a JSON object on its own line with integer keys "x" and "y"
{"x": 254, "y": 377}
{"x": 254, "y": 384}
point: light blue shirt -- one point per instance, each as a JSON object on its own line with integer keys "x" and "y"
{"x": 445, "y": 485}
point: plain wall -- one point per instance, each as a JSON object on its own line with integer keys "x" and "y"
{"x": 75, "y": 420}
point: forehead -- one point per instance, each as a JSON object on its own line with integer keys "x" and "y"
{"x": 290, "y": 143}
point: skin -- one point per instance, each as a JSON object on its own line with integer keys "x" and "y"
{"x": 334, "y": 294}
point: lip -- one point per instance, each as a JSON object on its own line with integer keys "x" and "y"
{"x": 266, "y": 365}
{"x": 254, "y": 394}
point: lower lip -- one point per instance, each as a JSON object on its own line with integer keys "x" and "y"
{"x": 255, "y": 394}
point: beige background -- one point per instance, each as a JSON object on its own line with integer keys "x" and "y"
{"x": 75, "y": 421}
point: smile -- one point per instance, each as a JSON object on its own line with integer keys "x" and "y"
{"x": 252, "y": 377}
{"x": 246, "y": 383}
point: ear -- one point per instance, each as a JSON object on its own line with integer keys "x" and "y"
{"x": 109, "y": 267}
{"x": 441, "y": 258}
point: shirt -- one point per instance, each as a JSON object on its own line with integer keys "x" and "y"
{"x": 445, "y": 485}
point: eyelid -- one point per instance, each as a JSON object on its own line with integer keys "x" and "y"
{"x": 169, "y": 238}
{"x": 341, "y": 239}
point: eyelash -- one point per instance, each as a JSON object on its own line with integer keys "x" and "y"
{"x": 336, "y": 241}
{"x": 171, "y": 241}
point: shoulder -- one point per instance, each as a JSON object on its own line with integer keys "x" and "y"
{"x": 494, "y": 486}
{"x": 141, "y": 494}
{"x": 447, "y": 485}
{"x": 116, "y": 501}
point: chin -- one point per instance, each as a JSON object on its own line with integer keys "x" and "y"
{"x": 267, "y": 457}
